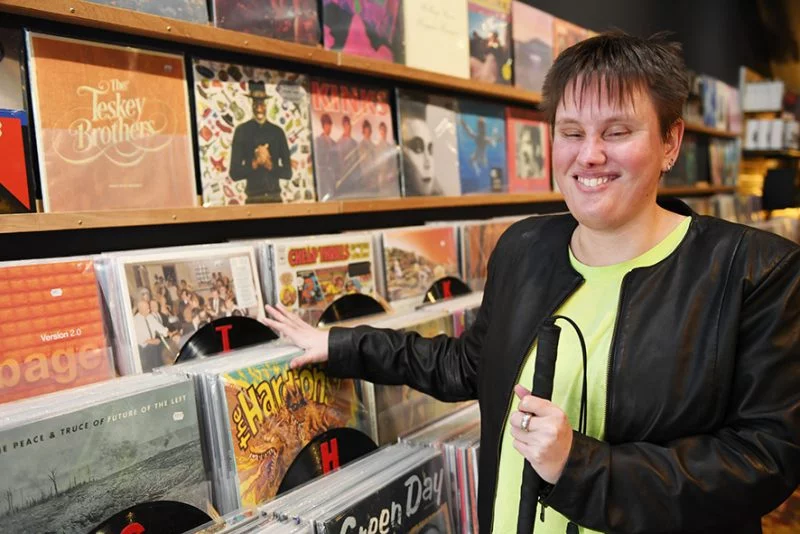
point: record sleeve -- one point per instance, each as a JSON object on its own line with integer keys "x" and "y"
{"x": 52, "y": 330}
{"x": 478, "y": 240}
{"x": 414, "y": 258}
{"x": 490, "y": 41}
{"x": 16, "y": 177}
{"x": 112, "y": 126}
{"x": 429, "y": 144}
{"x": 159, "y": 298}
{"x": 306, "y": 275}
{"x": 289, "y": 20}
{"x": 528, "y": 139}
{"x": 368, "y": 28}
{"x": 436, "y": 36}
{"x": 566, "y": 34}
{"x": 73, "y": 457}
{"x": 482, "y": 148}
{"x": 254, "y": 133}
{"x": 355, "y": 152}
{"x": 190, "y": 10}
{"x": 532, "y": 31}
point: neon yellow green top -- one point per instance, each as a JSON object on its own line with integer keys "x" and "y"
{"x": 594, "y": 308}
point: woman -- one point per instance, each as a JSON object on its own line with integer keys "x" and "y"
{"x": 692, "y": 326}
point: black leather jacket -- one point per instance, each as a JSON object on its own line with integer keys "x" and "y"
{"x": 703, "y": 407}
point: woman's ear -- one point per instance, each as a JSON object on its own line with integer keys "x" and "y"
{"x": 672, "y": 144}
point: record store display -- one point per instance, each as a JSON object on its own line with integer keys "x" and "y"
{"x": 368, "y": 28}
{"x": 111, "y": 123}
{"x": 355, "y": 153}
{"x": 436, "y": 36}
{"x": 532, "y": 33}
{"x": 490, "y": 41}
{"x": 482, "y": 155}
{"x": 289, "y": 20}
{"x": 254, "y": 134}
{"x": 189, "y": 10}
{"x": 74, "y": 457}
{"x": 16, "y": 178}
{"x": 159, "y": 298}
{"x": 528, "y": 140}
{"x": 52, "y": 333}
{"x": 261, "y": 415}
{"x": 307, "y": 274}
{"x": 414, "y": 258}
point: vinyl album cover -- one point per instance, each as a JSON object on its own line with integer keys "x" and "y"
{"x": 490, "y": 41}
{"x": 429, "y": 144}
{"x": 566, "y": 34}
{"x": 68, "y": 472}
{"x": 355, "y": 153}
{"x": 52, "y": 334}
{"x": 112, "y": 126}
{"x": 289, "y": 20}
{"x": 482, "y": 148}
{"x": 785, "y": 519}
{"x": 168, "y": 296}
{"x": 477, "y": 243}
{"x": 309, "y": 274}
{"x": 528, "y": 139}
{"x": 16, "y": 184}
{"x": 254, "y": 132}
{"x": 273, "y": 412}
{"x": 191, "y": 10}
{"x": 414, "y": 258}
{"x": 533, "y": 45}
{"x": 436, "y": 36}
{"x": 369, "y": 28}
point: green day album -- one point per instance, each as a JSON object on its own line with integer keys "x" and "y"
{"x": 189, "y": 10}
{"x": 75, "y": 458}
{"x": 254, "y": 134}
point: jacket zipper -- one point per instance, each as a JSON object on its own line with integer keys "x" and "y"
{"x": 516, "y": 381}
{"x": 611, "y": 353}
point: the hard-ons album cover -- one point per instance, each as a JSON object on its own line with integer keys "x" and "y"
{"x": 167, "y": 296}
{"x": 490, "y": 41}
{"x": 368, "y": 28}
{"x": 67, "y": 473}
{"x": 289, "y": 20}
{"x": 16, "y": 184}
{"x": 254, "y": 134}
{"x": 112, "y": 126}
{"x": 428, "y": 127}
{"x": 533, "y": 45}
{"x": 190, "y": 10}
{"x": 355, "y": 152}
{"x": 52, "y": 333}
{"x": 477, "y": 243}
{"x": 436, "y": 36}
{"x": 416, "y": 257}
{"x": 273, "y": 412}
{"x": 528, "y": 140}
{"x": 482, "y": 147}
{"x": 310, "y": 274}
{"x": 566, "y": 34}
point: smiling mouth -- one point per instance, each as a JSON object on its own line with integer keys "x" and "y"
{"x": 595, "y": 181}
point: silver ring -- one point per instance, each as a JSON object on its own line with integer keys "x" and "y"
{"x": 526, "y": 420}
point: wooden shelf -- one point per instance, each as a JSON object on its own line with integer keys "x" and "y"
{"x": 142, "y": 24}
{"x": 707, "y": 130}
{"x": 43, "y": 222}
{"x": 788, "y": 153}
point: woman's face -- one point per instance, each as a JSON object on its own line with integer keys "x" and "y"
{"x": 608, "y": 156}
{"x": 418, "y": 156}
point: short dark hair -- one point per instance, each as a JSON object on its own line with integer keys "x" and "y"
{"x": 345, "y": 120}
{"x": 620, "y": 64}
{"x": 326, "y": 119}
{"x": 367, "y": 124}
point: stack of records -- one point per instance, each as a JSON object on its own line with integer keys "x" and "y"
{"x": 458, "y": 437}
{"x": 159, "y": 298}
{"x": 251, "y": 521}
{"x": 399, "y": 489}
{"x": 307, "y": 274}
{"x": 74, "y": 458}
{"x": 268, "y": 427}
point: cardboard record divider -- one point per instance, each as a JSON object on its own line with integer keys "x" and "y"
{"x": 225, "y": 334}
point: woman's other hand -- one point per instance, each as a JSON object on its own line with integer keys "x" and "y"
{"x": 302, "y": 334}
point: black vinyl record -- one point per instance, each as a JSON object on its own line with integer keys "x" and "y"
{"x": 326, "y": 452}
{"x": 224, "y": 334}
{"x": 162, "y": 517}
{"x": 446, "y": 288}
{"x": 350, "y": 307}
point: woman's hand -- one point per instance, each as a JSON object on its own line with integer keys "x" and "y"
{"x": 302, "y": 334}
{"x": 548, "y": 439}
